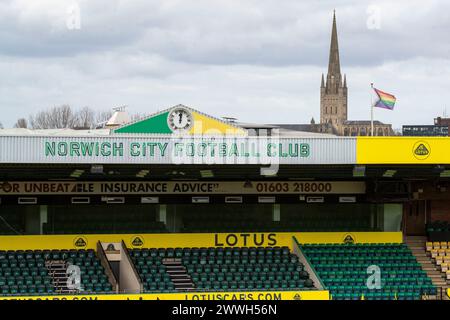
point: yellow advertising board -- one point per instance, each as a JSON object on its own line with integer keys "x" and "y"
{"x": 173, "y": 240}
{"x": 203, "y": 296}
{"x": 34, "y": 188}
{"x": 403, "y": 150}
{"x": 349, "y": 237}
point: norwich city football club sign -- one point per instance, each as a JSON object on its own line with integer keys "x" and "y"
{"x": 176, "y": 150}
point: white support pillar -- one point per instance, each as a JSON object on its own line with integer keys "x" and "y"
{"x": 43, "y": 217}
{"x": 162, "y": 213}
{"x": 276, "y": 213}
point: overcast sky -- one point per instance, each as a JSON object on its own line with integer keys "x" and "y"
{"x": 256, "y": 60}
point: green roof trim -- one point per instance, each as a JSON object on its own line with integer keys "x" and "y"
{"x": 156, "y": 124}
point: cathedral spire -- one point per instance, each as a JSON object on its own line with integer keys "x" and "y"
{"x": 334, "y": 65}
{"x": 322, "y": 85}
{"x": 333, "y": 96}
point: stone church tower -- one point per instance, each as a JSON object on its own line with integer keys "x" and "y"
{"x": 333, "y": 91}
{"x": 333, "y": 103}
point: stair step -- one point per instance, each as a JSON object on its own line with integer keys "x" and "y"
{"x": 183, "y": 282}
{"x": 181, "y": 279}
{"x": 176, "y": 270}
{"x": 57, "y": 270}
{"x": 179, "y": 276}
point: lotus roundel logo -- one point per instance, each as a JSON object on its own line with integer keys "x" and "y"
{"x": 80, "y": 242}
{"x": 137, "y": 241}
{"x": 421, "y": 150}
{"x": 349, "y": 239}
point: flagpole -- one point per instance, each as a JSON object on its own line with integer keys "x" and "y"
{"x": 371, "y": 109}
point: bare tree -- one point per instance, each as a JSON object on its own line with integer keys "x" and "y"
{"x": 21, "y": 123}
{"x": 62, "y": 117}
{"x": 85, "y": 118}
{"x": 54, "y": 118}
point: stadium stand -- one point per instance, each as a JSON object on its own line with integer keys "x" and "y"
{"x": 220, "y": 269}
{"x": 440, "y": 255}
{"x": 343, "y": 270}
{"x": 31, "y": 272}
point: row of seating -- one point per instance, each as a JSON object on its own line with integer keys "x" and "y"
{"x": 249, "y": 276}
{"x": 387, "y": 273}
{"x": 376, "y": 295}
{"x": 440, "y": 253}
{"x": 239, "y": 259}
{"x": 437, "y": 245}
{"x": 271, "y": 285}
{"x": 343, "y": 269}
{"x": 47, "y": 254}
{"x": 365, "y": 259}
{"x": 27, "y": 289}
{"x": 212, "y": 251}
{"x": 384, "y": 281}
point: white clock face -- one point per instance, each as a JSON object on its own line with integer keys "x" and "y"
{"x": 180, "y": 119}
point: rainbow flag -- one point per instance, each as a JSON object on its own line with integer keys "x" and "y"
{"x": 385, "y": 101}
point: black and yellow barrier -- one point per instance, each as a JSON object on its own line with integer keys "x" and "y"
{"x": 217, "y": 296}
{"x": 173, "y": 240}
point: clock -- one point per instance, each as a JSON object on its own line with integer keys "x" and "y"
{"x": 180, "y": 119}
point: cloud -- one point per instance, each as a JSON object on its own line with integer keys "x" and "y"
{"x": 257, "y": 60}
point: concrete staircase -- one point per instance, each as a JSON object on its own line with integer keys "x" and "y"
{"x": 417, "y": 246}
{"x": 57, "y": 269}
{"x": 178, "y": 274}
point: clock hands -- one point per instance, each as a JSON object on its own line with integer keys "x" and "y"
{"x": 179, "y": 120}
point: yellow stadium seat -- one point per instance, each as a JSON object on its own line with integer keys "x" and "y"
{"x": 434, "y": 253}
{"x": 429, "y": 246}
{"x": 439, "y": 260}
{"x": 444, "y": 245}
{"x": 436, "y": 245}
{"x": 444, "y": 267}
